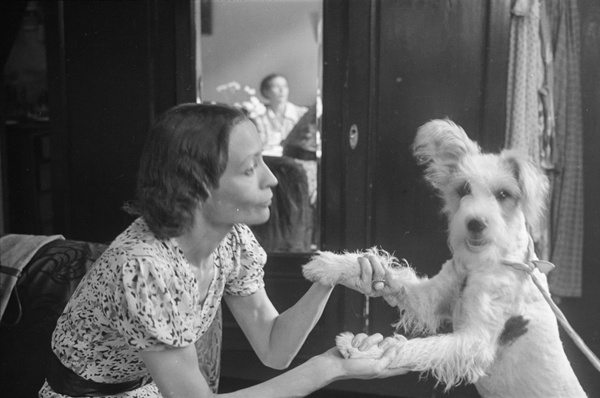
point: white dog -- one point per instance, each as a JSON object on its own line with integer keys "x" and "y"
{"x": 504, "y": 336}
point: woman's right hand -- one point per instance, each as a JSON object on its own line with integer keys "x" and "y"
{"x": 366, "y": 368}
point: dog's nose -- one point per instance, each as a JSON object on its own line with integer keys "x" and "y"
{"x": 476, "y": 224}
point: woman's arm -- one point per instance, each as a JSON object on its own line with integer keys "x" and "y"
{"x": 276, "y": 338}
{"x": 176, "y": 373}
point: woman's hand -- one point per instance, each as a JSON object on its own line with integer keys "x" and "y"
{"x": 373, "y": 277}
{"x": 363, "y": 341}
{"x": 367, "y": 368}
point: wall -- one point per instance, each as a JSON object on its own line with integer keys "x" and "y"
{"x": 252, "y": 38}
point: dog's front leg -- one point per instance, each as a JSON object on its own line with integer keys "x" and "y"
{"x": 424, "y": 303}
{"x": 450, "y": 358}
{"x": 466, "y": 353}
{"x": 330, "y": 268}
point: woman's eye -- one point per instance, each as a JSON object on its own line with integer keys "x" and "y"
{"x": 249, "y": 171}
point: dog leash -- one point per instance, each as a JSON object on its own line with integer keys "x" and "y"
{"x": 545, "y": 267}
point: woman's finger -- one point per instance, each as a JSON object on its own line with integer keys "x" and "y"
{"x": 358, "y": 339}
{"x": 378, "y": 273}
{"x": 370, "y": 341}
{"x": 366, "y": 273}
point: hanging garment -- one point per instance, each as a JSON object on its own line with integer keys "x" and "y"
{"x": 525, "y": 127}
{"x": 567, "y": 196}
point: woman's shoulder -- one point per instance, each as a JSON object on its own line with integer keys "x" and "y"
{"x": 295, "y": 111}
{"x": 137, "y": 236}
{"x": 241, "y": 243}
{"x": 243, "y": 260}
{"x": 137, "y": 244}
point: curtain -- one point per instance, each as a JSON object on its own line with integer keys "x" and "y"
{"x": 544, "y": 119}
{"x": 567, "y": 181}
{"x": 526, "y": 81}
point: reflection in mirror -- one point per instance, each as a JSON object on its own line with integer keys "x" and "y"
{"x": 264, "y": 57}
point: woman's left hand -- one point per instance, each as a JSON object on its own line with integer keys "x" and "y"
{"x": 372, "y": 280}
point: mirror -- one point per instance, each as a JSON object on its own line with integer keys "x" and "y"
{"x": 264, "y": 57}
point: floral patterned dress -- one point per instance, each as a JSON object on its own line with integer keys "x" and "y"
{"x": 141, "y": 294}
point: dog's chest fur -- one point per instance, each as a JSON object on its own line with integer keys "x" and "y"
{"x": 529, "y": 339}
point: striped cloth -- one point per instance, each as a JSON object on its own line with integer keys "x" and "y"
{"x": 567, "y": 197}
{"x": 544, "y": 119}
{"x": 526, "y": 80}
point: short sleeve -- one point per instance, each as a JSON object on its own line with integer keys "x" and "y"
{"x": 247, "y": 261}
{"x": 157, "y": 307}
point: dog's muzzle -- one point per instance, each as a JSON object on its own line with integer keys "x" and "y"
{"x": 476, "y": 225}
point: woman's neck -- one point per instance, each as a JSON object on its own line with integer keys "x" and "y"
{"x": 200, "y": 242}
{"x": 278, "y": 108}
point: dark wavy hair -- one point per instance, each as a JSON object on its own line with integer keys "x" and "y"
{"x": 266, "y": 82}
{"x": 184, "y": 156}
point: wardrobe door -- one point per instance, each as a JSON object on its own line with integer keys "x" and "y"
{"x": 431, "y": 64}
{"x": 397, "y": 65}
{"x": 112, "y": 67}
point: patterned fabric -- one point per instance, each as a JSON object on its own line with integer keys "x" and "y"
{"x": 545, "y": 120}
{"x": 273, "y": 130}
{"x": 567, "y": 200}
{"x": 141, "y": 294}
{"x": 525, "y": 78}
{"x": 526, "y": 83}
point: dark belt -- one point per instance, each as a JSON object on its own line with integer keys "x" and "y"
{"x": 64, "y": 381}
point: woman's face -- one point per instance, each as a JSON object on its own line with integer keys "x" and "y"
{"x": 278, "y": 90}
{"x": 244, "y": 194}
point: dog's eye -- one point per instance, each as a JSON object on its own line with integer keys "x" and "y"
{"x": 502, "y": 195}
{"x": 464, "y": 190}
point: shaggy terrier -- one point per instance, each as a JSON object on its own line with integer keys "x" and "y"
{"x": 504, "y": 336}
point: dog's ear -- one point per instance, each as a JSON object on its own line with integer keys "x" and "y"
{"x": 533, "y": 184}
{"x": 440, "y": 144}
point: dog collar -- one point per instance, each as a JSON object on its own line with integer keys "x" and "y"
{"x": 531, "y": 262}
{"x": 544, "y": 266}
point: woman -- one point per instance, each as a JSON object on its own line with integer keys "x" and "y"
{"x": 130, "y": 327}
{"x": 280, "y": 116}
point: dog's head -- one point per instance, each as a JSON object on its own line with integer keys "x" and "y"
{"x": 490, "y": 199}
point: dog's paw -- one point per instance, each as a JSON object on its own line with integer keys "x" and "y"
{"x": 330, "y": 269}
{"x": 344, "y": 345}
{"x": 396, "y": 298}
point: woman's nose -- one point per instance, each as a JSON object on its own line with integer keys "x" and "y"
{"x": 270, "y": 180}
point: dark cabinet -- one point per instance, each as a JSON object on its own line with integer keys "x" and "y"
{"x": 389, "y": 67}
{"x": 112, "y": 67}
{"x": 29, "y": 178}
